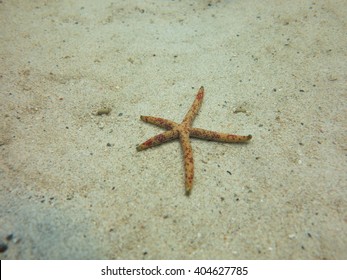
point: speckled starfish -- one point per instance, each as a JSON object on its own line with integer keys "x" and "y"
{"x": 184, "y": 131}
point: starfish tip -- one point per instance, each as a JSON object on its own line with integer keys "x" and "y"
{"x": 188, "y": 192}
{"x": 138, "y": 148}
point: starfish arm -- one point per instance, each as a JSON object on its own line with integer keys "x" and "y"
{"x": 217, "y": 136}
{"x": 194, "y": 109}
{"x": 164, "y": 123}
{"x": 188, "y": 160}
{"x": 158, "y": 139}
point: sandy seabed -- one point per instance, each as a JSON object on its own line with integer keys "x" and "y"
{"x": 73, "y": 186}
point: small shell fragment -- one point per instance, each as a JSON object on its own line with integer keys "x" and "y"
{"x": 103, "y": 111}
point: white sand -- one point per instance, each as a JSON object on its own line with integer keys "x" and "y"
{"x": 73, "y": 185}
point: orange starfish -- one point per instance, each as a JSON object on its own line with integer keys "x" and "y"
{"x": 184, "y": 131}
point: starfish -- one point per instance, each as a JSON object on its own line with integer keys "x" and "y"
{"x": 184, "y": 131}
